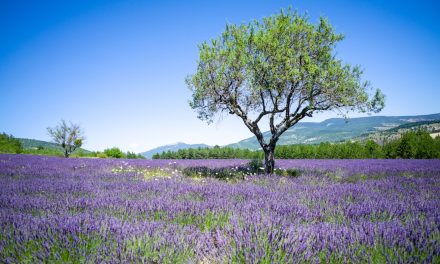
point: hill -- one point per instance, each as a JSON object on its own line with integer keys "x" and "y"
{"x": 338, "y": 129}
{"x": 433, "y": 128}
{"x": 34, "y": 144}
{"x": 173, "y": 147}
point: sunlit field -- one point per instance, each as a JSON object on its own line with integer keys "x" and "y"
{"x": 218, "y": 211}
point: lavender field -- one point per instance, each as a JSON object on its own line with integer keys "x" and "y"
{"x": 58, "y": 210}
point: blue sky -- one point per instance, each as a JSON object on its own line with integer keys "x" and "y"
{"x": 118, "y": 67}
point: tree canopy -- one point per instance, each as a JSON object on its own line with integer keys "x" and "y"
{"x": 69, "y": 137}
{"x": 280, "y": 69}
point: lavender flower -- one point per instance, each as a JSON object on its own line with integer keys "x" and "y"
{"x": 348, "y": 211}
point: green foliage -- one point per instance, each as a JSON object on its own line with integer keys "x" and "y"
{"x": 68, "y": 136}
{"x": 284, "y": 54}
{"x": 256, "y": 165}
{"x": 44, "y": 151}
{"x": 131, "y": 155}
{"x": 283, "y": 68}
{"x": 287, "y": 172}
{"x": 81, "y": 153}
{"x": 210, "y": 153}
{"x": 346, "y": 150}
{"x": 372, "y": 149}
{"x": 114, "y": 153}
{"x": 101, "y": 155}
{"x": 50, "y": 151}
{"x": 437, "y": 144}
{"x": 9, "y": 144}
{"x": 414, "y": 145}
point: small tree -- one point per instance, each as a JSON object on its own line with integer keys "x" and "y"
{"x": 69, "y": 137}
{"x": 280, "y": 69}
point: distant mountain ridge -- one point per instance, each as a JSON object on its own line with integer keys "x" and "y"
{"x": 173, "y": 147}
{"x": 329, "y": 130}
{"x": 336, "y": 129}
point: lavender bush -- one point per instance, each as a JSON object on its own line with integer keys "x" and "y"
{"x": 140, "y": 211}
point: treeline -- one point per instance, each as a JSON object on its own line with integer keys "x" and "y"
{"x": 210, "y": 153}
{"x": 411, "y": 145}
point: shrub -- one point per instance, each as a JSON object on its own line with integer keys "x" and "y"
{"x": 114, "y": 153}
{"x": 101, "y": 155}
{"x": 287, "y": 172}
{"x": 256, "y": 166}
{"x": 235, "y": 173}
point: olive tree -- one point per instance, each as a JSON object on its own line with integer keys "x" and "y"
{"x": 280, "y": 69}
{"x": 68, "y": 136}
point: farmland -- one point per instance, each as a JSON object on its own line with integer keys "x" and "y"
{"x": 147, "y": 211}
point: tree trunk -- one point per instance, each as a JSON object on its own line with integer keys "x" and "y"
{"x": 66, "y": 154}
{"x": 269, "y": 159}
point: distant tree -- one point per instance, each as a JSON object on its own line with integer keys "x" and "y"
{"x": 68, "y": 136}
{"x": 423, "y": 145}
{"x": 281, "y": 69}
{"x": 372, "y": 149}
{"x": 114, "y": 153}
{"x": 191, "y": 153}
{"x": 131, "y": 155}
{"x": 390, "y": 148}
{"x": 437, "y": 146}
